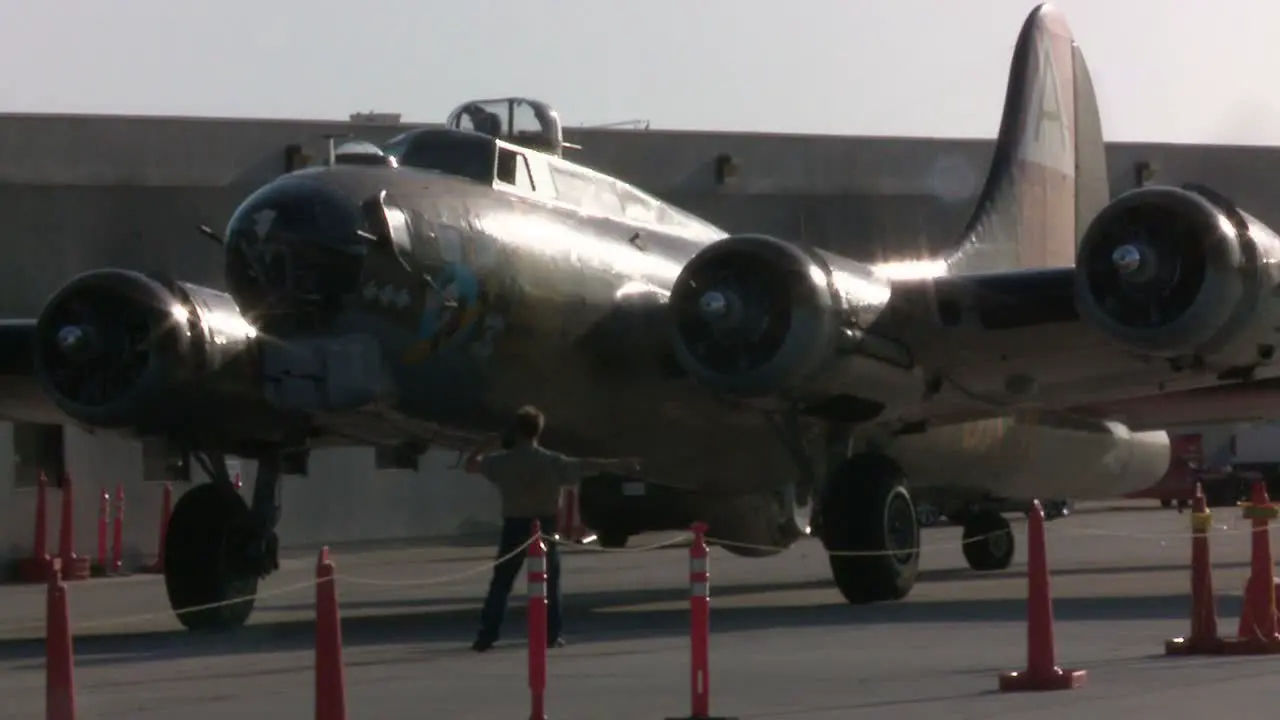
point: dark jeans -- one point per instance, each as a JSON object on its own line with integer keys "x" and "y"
{"x": 515, "y": 531}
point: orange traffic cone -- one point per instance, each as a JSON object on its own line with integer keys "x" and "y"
{"x": 1204, "y": 638}
{"x": 1042, "y": 671}
{"x": 1258, "y": 632}
{"x": 59, "y": 681}
{"x": 331, "y": 685}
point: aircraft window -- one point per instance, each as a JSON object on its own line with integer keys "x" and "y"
{"x": 478, "y": 118}
{"x": 668, "y": 215}
{"x": 464, "y": 156}
{"x": 592, "y": 194}
{"x": 637, "y": 207}
{"x": 513, "y": 169}
{"x": 524, "y": 180}
{"x": 541, "y": 175}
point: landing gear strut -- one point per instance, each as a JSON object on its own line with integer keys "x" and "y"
{"x": 867, "y": 513}
{"x": 217, "y": 547}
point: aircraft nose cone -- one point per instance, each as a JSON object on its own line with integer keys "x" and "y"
{"x": 1127, "y": 259}
{"x": 714, "y": 305}
{"x": 73, "y": 342}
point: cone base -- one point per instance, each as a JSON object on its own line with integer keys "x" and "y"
{"x": 1058, "y": 679}
{"x": 1194, "y": 646}
{"x": 1251, "y": 646}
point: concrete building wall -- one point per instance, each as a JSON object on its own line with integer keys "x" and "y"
{"x": 84, "y": 192}
{"x": 342, "y": 500}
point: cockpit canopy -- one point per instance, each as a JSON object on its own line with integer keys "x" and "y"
{"x": 519, "y": 121}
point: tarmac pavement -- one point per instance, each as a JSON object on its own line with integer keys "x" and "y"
{"x": 784, "y": 643}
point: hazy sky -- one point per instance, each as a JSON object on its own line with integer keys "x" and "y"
{"x": 1165, "y": 70}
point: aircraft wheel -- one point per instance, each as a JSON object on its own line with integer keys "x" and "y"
{"x": 201, "y": 565}
{"x": 988, "y": 541}
{"x": 867, "y": 510}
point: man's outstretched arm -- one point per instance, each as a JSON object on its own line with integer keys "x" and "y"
{"x": 577, "y": 468}
{"x": 474, "y": 463}
{"x": 620, "y": 465}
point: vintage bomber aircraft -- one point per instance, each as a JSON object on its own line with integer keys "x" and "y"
{"x": 414, "y": 293}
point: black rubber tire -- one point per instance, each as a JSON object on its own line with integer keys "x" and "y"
{"x": 863, "y": 502}
{"x": 199, "y": 568}
{"x": 988, "y": 542}
{"x": 613, "y": 540}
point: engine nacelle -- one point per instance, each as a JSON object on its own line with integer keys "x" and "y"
{"x": 756, "y": 316}
{"x": 1181, "y": 273}
{"x": 124, "y": 349}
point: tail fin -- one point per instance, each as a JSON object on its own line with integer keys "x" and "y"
{"x": 1048, "y": 175}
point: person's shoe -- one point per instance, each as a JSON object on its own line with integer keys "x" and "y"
{"x": 482, "y": 644}
{"x": 557, "y": 643}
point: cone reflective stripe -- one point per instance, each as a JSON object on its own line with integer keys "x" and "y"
{"x": 699, "y": 575}
{"x": 536, "y": 566}
{"x": 700, "y": 621}
{"x": 700, "y": 625}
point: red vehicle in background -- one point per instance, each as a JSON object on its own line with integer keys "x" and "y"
{"x": 1221, "y": 485}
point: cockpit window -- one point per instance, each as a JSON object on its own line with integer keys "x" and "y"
{"x": 465, "y": 156}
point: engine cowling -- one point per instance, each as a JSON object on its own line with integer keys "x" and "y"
{"x": 121, "y": 349}
{"x": 1180, "y": 272}
{"x": 754, "y": 316}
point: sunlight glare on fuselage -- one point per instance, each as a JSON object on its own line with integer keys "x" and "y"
{"x": 911, "y": 269}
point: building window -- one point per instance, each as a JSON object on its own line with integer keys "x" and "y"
{"x": 36, "y": 449}
{"x": 164, "y": 461}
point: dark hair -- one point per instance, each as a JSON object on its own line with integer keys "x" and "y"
{"x": 527, "y": 423}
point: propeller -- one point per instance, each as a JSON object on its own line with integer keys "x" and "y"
{"x": 1148, "y": 267}
{"x": 734, "y": 313}
{"x": 99, "y": 346}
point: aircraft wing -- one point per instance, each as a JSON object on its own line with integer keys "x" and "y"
{"x": 762, "y": 319}
{"x": 1055, "y": 294}
{"x": 175, "y": 362}
{"x": 1247, "y": 402}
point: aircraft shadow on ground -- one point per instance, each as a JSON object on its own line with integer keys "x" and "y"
{"x": 593, "y": 617}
